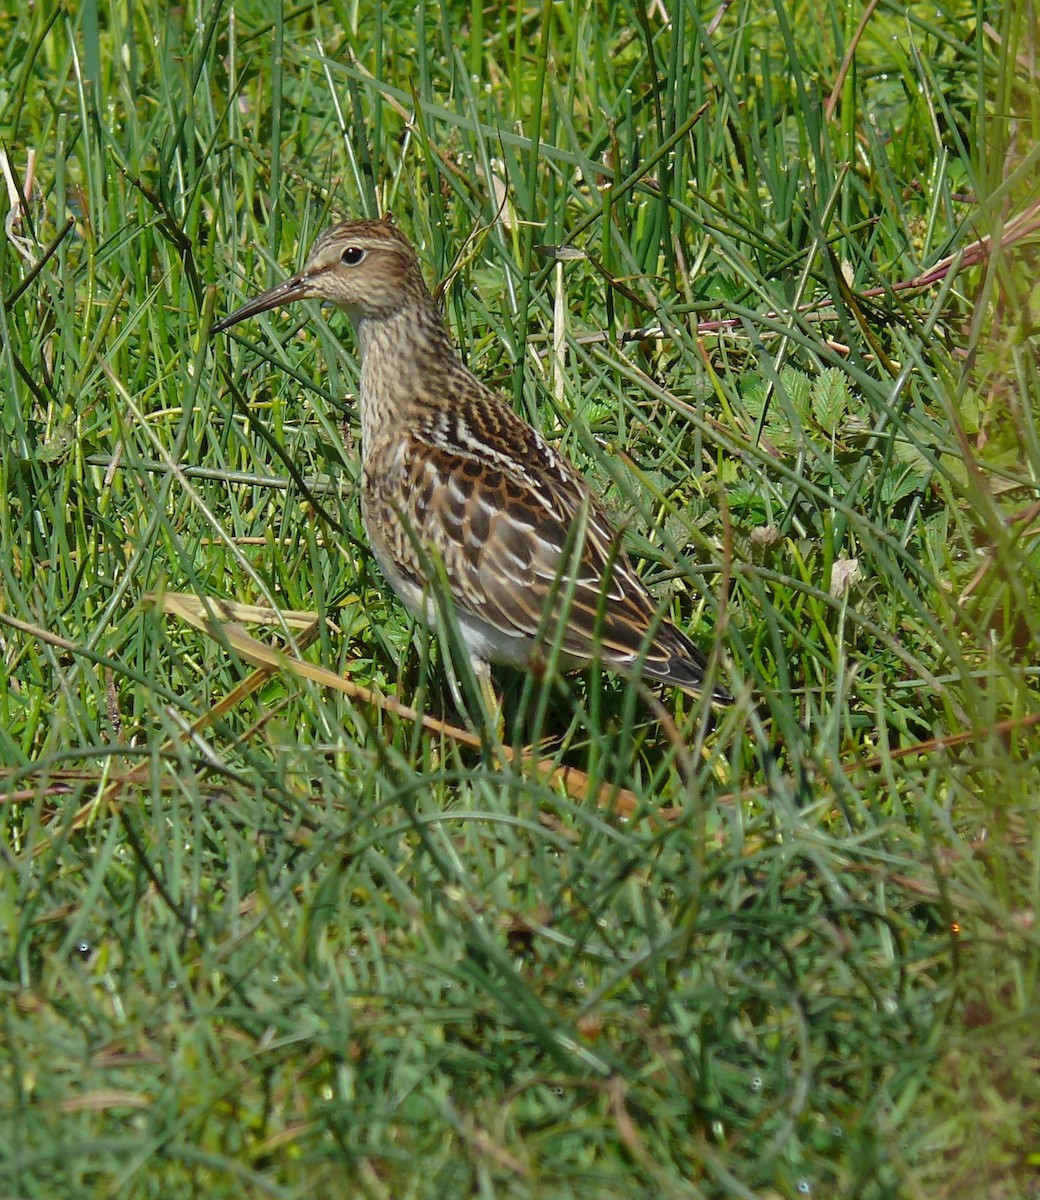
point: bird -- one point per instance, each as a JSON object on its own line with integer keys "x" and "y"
{"x": 456, "y": 486}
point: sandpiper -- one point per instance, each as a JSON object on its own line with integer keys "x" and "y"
{"x": 455, "y": 484}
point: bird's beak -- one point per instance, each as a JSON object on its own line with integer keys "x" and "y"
{"x": 296, "y": 287}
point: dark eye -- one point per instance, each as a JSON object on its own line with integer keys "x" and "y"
{"x": 352, "y": 256}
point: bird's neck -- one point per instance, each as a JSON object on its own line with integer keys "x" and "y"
{"x": 407, "y": 358}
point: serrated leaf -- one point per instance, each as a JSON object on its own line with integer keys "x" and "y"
{"x": 797, "y": 386}
{"x": 830, "y": 399}
{"x": 898, "y": 485}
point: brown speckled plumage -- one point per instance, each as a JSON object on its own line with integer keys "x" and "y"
{"x": 450, "y": 471}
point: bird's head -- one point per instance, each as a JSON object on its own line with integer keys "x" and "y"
{"x": 367, "y": 268}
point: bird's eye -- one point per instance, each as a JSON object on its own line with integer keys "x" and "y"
{"x": 352, "y": 256}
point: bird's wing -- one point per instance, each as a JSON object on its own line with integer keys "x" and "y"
{"x": 525, "y": 545}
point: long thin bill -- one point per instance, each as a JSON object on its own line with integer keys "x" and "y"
{"x": 296, "y": 287}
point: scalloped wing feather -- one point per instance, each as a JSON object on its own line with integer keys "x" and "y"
{"x": 526, "y": 546}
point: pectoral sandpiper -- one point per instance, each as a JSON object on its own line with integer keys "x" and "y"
{"x": 449, "y": 472}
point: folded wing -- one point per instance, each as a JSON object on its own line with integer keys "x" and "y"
{"x": 531, "y": 553}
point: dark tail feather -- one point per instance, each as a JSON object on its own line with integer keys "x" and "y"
{"x": 685, "y": 667}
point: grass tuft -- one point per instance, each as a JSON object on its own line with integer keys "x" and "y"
{"x": 767, "y": 275}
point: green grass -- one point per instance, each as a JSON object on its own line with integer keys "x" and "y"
{"x": 314, "y": 948}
